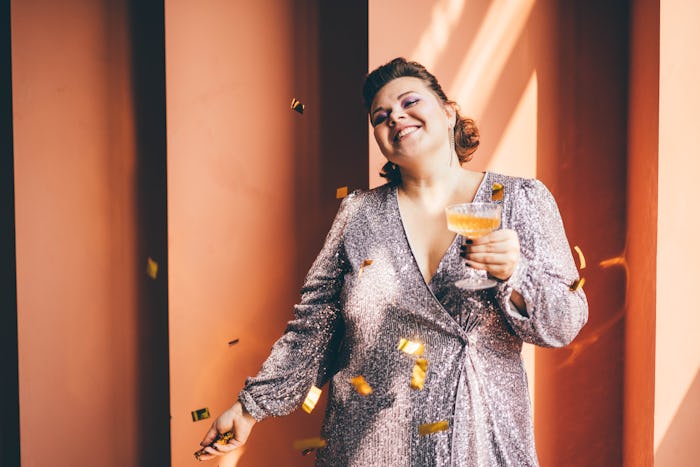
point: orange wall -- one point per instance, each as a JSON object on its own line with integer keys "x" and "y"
{"x": 251, "y": 188}
{"x": 642, "y": 176}
{"x": 579, "y": 403}
{"x": 75, "y": 215}
{"x": 677, "y": 395}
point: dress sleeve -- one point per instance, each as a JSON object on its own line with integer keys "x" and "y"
{"x": 302, "y": 356}
{"x": 554, "y": 314}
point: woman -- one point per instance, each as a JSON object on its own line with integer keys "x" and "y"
{"x": 387, "y": 272}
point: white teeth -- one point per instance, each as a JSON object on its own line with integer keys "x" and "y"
{"x": 405, "y": 131}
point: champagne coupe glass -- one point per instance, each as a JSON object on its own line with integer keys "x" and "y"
{"x": 472, "y": 220}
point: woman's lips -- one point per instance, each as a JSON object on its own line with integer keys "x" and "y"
{"x": 404, "y": 132}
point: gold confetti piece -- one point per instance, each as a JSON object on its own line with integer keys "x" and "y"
{"x": 411, "y": 347}
{"x": 365, "y": 263}
{"x": 296, "y": 105}
{"x": 222, "y": 438}
{"x": 497, "y": 192}
{"x": 308, "y": 444}
{"x": 581, "y": 258}
{"x": 200, "y": 414}
{"x": 577, "y": 284}
{"x": 427, "y": 428}
{"x": 341, "y": 192}
{"x": 418, "y": 375}
{"x": 311, "y": 399}
{"x": 152, "y": 268}
{"x": 361, "y": 385}
{"x": 233, "y": 342}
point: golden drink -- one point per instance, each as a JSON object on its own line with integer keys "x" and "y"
{"x": 469, "y": 225}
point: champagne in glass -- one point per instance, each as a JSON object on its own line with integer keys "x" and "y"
{"x": 472, "y": 220}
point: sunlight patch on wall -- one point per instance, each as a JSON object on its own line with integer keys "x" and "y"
{"x": 516, "y": 152}
{"x": 483, "y": 65}
{"x": 435, "y": 38}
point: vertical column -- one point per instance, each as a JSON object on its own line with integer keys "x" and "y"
{"x": 579, "y": 388}
{"x": 642, "y": 212}
{"x": 90, "y": 202}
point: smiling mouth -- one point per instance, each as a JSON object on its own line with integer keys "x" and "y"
{"x": 405, "y": 132}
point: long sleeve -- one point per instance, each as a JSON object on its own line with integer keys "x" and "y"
{"x": 554, "y": 314}
{"x": 301, "y": 357}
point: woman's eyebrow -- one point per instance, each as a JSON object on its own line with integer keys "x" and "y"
{"x": 397, "y": 98}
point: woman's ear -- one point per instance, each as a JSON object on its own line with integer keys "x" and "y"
{"x": 451, "y": 112}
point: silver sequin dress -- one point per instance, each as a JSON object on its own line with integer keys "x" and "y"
{"x": 350, "y": 320}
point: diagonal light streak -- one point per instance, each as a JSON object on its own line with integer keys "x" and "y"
{"x": 434, "y": 39}
{"x": 487, "y": 56}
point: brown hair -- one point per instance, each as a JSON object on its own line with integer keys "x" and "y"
{"x": 466, "y": 132}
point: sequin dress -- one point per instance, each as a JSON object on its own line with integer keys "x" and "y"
{"x": 351, "y": 318}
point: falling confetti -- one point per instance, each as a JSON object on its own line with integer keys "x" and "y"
{"x": 152, "y": 268}
{"x": 411, "y": 347}
{"x": 418, "y": 375}
{"x": 233, "y": 342}
{"x": 577, "y": 284}
{"x": 581, "y": 258}
{"x": 427, "y": 428}
{"x": 222, "y": 438}
{"x": 308, "y": 444}
{"x": 341, "y": 192}
{"x": 361, "y": 385}
{"x": 296, "y": 105}
{"x": 311, "y": 399}
{"x": 365, "y": 263}
{"x": 200, "y": 414}
{"x": 497, "y": 192}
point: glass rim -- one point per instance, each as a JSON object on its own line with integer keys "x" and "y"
{"x": 491, "y": 204}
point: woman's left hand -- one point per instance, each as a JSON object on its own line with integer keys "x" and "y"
{"x": 497, "y": 253}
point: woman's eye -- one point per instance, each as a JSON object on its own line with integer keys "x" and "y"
{"x": 410, "y": 102}
{"x": 378, "y": 119}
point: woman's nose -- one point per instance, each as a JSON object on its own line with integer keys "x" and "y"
{"x": 395, "y": 116}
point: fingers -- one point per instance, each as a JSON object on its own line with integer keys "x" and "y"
{"x": 497, "y": 253}
{"x": 210, "y": 436}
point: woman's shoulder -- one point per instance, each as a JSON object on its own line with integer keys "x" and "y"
{"x": 370, "y": 196}
{"x": 518, "y": 185}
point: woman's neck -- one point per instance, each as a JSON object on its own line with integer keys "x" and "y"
{"x": 438, "y": 188}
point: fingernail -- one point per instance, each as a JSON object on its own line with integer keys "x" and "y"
{"x": 469, "y": 241}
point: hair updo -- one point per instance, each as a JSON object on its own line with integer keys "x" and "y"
{"x": 466, "y": 132}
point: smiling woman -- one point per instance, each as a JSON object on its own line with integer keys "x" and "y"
{"x": 443, "y": 379}
{"x": 463, "y": 130}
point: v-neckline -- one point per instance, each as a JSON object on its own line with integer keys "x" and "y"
{"x": 427, "y": 283}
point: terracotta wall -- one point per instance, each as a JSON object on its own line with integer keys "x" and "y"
{"x": 579, "y": 402}
{"x": 74, "y": 167}
{"x": 639, "y": 263}
{"x": 677, "y": 394}
{"x": 252, "y": 188}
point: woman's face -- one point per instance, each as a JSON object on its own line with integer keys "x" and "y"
{"x": 410, "y": 122}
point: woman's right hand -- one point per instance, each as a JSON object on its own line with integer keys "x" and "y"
{"x": 236, "y": 420}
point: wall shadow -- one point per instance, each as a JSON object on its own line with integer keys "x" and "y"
{"x": 679, "y": 445}
{"x": 331, "y": 142}
{"x": 9, "y": 403}
{"x": 147, "y": 32}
